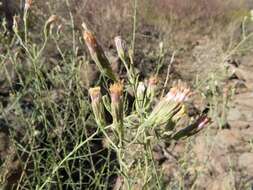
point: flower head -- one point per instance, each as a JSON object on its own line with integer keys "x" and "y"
{"x": 171, "y": 106}
{"x": 141, "y": 91}
{"x": 95, "y": 93}
{"x": 97, "y": 106}
{"x": 116, "y": 93}
{"x": 152, "y": 86}
{"x": 90, "y": 40}
{"x": 97, "y": 54}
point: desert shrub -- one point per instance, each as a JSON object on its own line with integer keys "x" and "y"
{"x": 59, "y": 139}
{"x": 68, "y": 135}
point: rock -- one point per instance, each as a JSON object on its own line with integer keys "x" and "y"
{"x": 244, "y": 71}
{"x": 247, "y": 133}
{"x": 207, "y": 62}
{"x": 234, "y": 114}
{"x": 214, "y": 152}
{"x": 239, "y": 124}
{"x": 227, "y": 138}
{"x": 200, "y": 149}
{"x": 170, "y": 170}
{"x": 241, "y": 115}
{"x": 245, "y": 99}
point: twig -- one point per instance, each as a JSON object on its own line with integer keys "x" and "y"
{"x": 168, "y": 72}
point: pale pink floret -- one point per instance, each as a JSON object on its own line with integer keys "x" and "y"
{"x": 203, "y": 123}
{"x": 180, "y": 97}
{"x": 170, "y": 96}
{"x": 178, "y": 94}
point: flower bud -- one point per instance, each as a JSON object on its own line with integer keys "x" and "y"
{"x": 97, "y": 106}
{"x": 120, "y": 46}
{"x": 152, "y": 86}
{"x": 15, "y": 23}
{"x": 59, "y": 29}
{"x": 98, "y": 54}
{"x": 117, "y": 110}
{"x": 140, "y": 95}
{"x": 91, "y": 42}
{"x": 50, "y": 21}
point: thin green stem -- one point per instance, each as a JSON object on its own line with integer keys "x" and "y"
{"x": 134, "y": 24}
{"x": 65, "y": 159}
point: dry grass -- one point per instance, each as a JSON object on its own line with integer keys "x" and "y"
{"x": 168, "y": 16}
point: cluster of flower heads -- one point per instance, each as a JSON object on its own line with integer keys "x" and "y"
{"x": 169, "y": 109}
